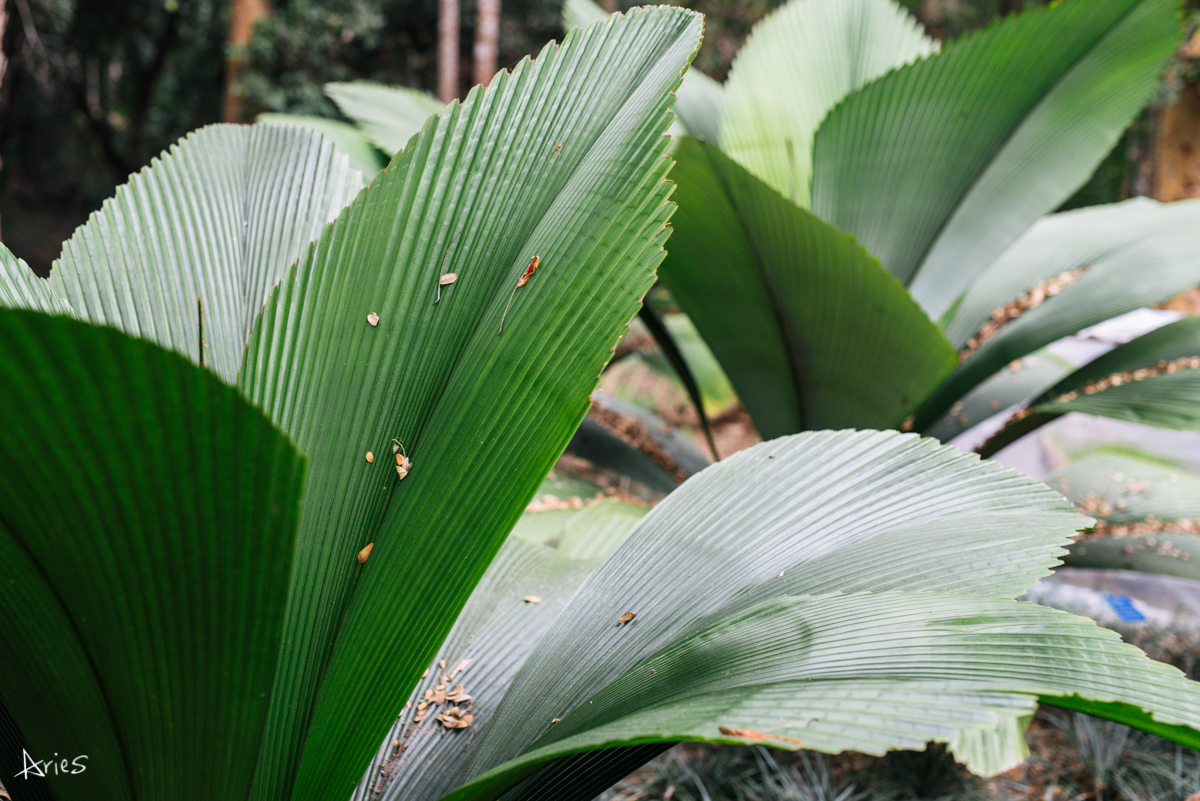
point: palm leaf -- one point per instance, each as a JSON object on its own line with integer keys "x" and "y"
{"x": 780, "y": 295}
{"x": 719, "y": 544}
{"x": 941, "y": 165}
{"x": 1153, "y": 263}
{"x": 388, "y": 115}
{"x": 219, "y": 217}
{"x": 364, "y": 156}
{"x": 482, "y": 413}
{"x": 1153, "y": 379}
{"x": 149, "y": 543}
{"x": 799, "y": 63}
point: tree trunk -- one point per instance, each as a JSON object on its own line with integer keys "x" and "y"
{"x": 487, "y": 38}
{"x": 1177, "y": 148}
{"x": 447, "y": 50}
{"x": 243, "y": 15}
{"x": 1177, "y": 160}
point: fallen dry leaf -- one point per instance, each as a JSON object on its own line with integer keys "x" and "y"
{"x": 455, "y": 718}
{"x": 458, "y": 695}
{"x": 758, "y": 736}
{"x": 460, "y": 667}
{"x": 625, "y": 618}
{"x": 448, "y": 278}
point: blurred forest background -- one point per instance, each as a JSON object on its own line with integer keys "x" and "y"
{"x": 91, "y": 90}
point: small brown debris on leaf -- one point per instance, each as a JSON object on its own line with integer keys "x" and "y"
{"x": 625, "y": 618}
{"x": 458, "y": 695}
{"x": 403, "y": 465}
{"x": 442, "y": 664}
{"x": 420, "y": 716}
{"x": 370, "y": 458}
{"x": 460, "y": 667}
{"x": 421, "y": 706}
{"x": 437, "y": 695}
{"x": 532, "y": 599}
{"x": 425, "y": 674}
{"x": 364, "y": 553}
{"x": 408, "y": 704}
{"x": 757, "y": 736}
{"x": 448, "y": 278}
{"x": 455, "y": 718}
{"x": 373, "y": 318}
{"x": 395, "y": 742}
{"x": 556, "y": 720}
{"x": 1030, "y": 299}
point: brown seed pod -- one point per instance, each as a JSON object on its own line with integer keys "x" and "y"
{"x": 365, "y": 553}
{"x": 370, "y": 458}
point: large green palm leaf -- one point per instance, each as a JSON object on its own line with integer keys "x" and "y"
{"x": 810, "y": 329}
{"x": 831, "y": 614}
{"x": 482, "y": 413}
{"x": 147, "y": 529}
{"x": 942, "y": 164}
{"x": 799, "y": 63}
{"x": 218, "y": 217}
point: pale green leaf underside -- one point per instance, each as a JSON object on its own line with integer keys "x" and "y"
{"x": 768, "y": 284}
{"x": 20, "y": 288}
{"x": 364, "y": 156}
{"x": 219, "y": 216}
{"x": 495, "y": 631}
{"x": 1162, "y": 349}
{"x": 388, "y": 115}
{"x": 1059, "y": 243}
{"x": 1132, "y": 274}
{"x": 581, "y": 13}
{"x": 831, "y": 511}
{"x": 869, "y": 672}
{"x": 798, "y": 63}
{"x": 588, "y": 533}
{"x": 698, "y": 100}
{"x": 940, "y": 165}
{"x": 990, "y": 751}
{"x": 148, "y": 520}
{"x": 483, "y": 415}
{"x": 1134, "y": 487}
{"x": 1017, "y": 383}
{"x": 1167, "y": 553}
{"x": 1167, "y": 401}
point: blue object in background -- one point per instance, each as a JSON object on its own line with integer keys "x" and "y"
{"x": 1123, "y": 606}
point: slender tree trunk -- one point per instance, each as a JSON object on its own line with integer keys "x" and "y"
{"x": 1177, "y": 148}
{"x": 243, "y": 15}
{"x": 487, "y": 38}
{"x": 1177, "y": 159}
{"x": 447, "y": 50}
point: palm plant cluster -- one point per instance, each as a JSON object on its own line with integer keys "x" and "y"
{"x": 219, "y": 584}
